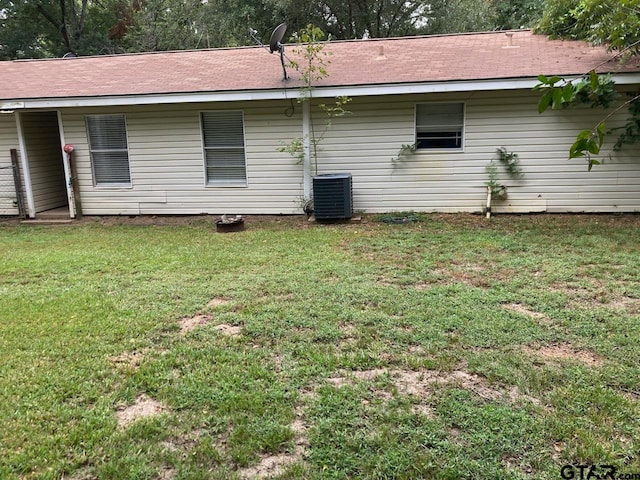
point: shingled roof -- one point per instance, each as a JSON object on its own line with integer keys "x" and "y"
{"x": 443, "y": 58}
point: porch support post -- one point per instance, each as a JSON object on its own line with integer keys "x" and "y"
{"x": 24, "y": 162}
{"x": 68, "y": 175}
{"x": 306, "y": 149}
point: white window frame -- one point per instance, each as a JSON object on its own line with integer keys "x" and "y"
{"x": 92, "y": 151}
{"x": 237, "y": 182}
{"x": 461, "y": 126}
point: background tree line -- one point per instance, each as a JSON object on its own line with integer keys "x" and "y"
{"x": 51, "y": 28}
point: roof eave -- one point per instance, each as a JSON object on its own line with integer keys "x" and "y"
{"x": 290, "y": 93}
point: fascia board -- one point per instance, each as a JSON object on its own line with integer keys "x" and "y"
{"x": 290, "y": 93}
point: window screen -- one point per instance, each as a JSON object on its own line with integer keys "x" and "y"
{"x": 108, "y": 148}
{"x": 223, "y": 136}
{"x": 439, "y": 125}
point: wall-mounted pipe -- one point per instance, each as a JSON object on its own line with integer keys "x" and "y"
{"x": 488, "y": 201}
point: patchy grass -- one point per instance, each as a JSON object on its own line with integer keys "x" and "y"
{"x": 445, "y": 347}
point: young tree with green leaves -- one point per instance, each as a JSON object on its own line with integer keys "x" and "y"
{"x": 311, "y": 64}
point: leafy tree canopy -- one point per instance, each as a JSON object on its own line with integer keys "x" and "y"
{"x": 45, "y": 28}
{"x": 50, "y": 28}
{"x": 615, "y": 23}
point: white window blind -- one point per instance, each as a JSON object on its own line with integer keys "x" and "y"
{"x": 439, "y": 125}
{"x": 108, "y": 148}
{"x": 223, "y": 135}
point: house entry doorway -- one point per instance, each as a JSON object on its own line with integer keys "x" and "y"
{"x": 41, "y": 135}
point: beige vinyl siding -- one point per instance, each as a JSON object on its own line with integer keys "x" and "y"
{"x": 42, "y": 143}
{"x": 167, "y": 163}
{"x": 168, "y": 171}
{"x": 8, "y": 140}
{"x": 364, "y": 143}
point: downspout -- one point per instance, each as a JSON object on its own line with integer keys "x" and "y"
{"x": 24, "y": 161}
{"x": 306, "y": 150}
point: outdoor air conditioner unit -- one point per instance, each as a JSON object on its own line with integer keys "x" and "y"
{"x": 332, "y": 196}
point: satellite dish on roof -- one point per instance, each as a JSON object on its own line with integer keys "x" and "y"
{"x": 275, "y": 44}
{"x": 276, "y": 38}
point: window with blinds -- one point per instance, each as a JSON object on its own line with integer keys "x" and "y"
{"x": 223, "y": 138}
{"x": 439, "y": 125}
{"x": 108, "y": 148}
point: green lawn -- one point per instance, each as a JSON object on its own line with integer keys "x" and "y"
{"x": 449, "y": 348}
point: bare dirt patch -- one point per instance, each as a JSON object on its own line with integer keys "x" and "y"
{"x": 416, "y": 349}
{"x": 578, "y": 295}
{"x": 271, "y": 466}
{"x": 515, "y": 463}
{"x": 348, "y": 329}
{"x": 565, "y": 352}
{"x": 338, "y": 381}
{"x": 423, "y": 286}
{"x": 522, "y": 310}
{"x": 349, "y": 334}
{"x": 83, "y": 474}
{"x": 631, "y": 305}
{"x": 167, "y": 474}
{"x": 345, "y": 378}
{"x": 468, "y": 274}
{"x": 421, "y": 409}
{"x": 387, "y": 282}
{"x": 229, "y": 330}
{"x": 275, "y": 298}
{"x": 421, "y": 384}
{"x": 184, "y": 442}
{"x": 144, "y": 407}
{"x": 189, "y": 324}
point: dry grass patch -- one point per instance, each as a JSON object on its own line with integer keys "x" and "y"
{"x": 130, "y": 360}
{"x": 522, "y": 310}
{"x": 565, "y": 352}
{"x": 144, "y": 407}
{"x": 216, "y": 302}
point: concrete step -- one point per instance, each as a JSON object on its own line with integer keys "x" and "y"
{"x": 47, "y": 221}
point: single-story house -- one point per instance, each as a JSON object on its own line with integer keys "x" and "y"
{"x": 191, "y": 132}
